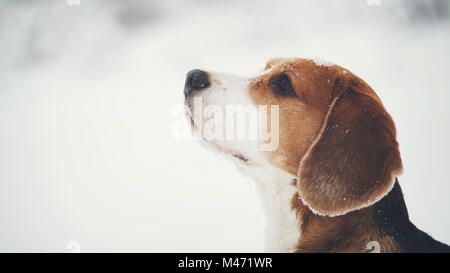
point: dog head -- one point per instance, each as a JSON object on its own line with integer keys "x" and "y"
{"x": 334, "y": 134}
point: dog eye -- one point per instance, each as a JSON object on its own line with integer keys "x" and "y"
{"x": 282, "y": 85}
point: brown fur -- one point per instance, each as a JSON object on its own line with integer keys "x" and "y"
{"x": 355, "y": 158}
{"x": 337, "y": 137}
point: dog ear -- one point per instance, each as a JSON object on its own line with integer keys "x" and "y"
{"x": 355, "y": 159}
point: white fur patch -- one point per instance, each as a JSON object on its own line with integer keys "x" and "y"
{"x": 228, "y": 91}
{"x": 276, "y": 191}
{"x": 321, "y": 62}
{"x": 274, "y": 186}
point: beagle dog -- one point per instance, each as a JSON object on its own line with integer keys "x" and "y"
{"x": 330, "y": 183}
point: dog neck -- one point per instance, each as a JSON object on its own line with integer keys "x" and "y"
{"x": 293, "y": 227}
{"x": 275, "y": 189}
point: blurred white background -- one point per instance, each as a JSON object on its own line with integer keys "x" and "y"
{"x": 86, "y": 99}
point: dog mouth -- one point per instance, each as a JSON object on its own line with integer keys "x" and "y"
{"x": 239, "y": 156}
{"x": 230, "y": 153}
{"x": 217, "y": 148}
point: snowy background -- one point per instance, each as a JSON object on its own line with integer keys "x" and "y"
{"x": 86, "y": 113}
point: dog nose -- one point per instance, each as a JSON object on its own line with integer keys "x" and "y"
{"x": 195, "y": 79}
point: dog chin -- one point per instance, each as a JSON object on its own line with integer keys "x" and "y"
{"x": 232, "y": 154}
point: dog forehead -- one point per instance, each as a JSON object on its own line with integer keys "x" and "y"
{"x": 282, "y": 63}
